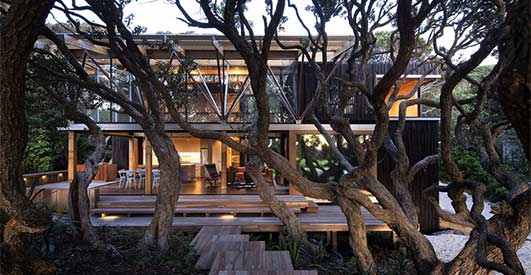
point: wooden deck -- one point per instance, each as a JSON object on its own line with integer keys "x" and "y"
{"x": 200, "y": 204}
{"x": 195, "y": 187}
{"x": 223, "y": 250}
{"x": 329, "y": 218}
{"x": 248, "y": 212}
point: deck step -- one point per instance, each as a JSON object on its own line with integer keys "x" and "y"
{"x": 190, "y": 210}
{"x": 206, "y": 259}
{"x": 268, "y": 272}
{"x": 206, "y": 201}
{"x": 198, "y": 204}
{"x": 252, "y": 260}
{"x": 312, "y": 207}
{"x": 215, "y": 230}
{"x": 206, "y": 243}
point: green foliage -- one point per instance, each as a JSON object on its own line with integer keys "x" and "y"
{"x": 39, "y": 154}
{"x": 469, "y": 163}
{"x": 317, "y": 257}
{"x": 73, "y": 256}
{"x": 46, "y": 143}
{"x": 386, "y": 39}
{"x": 316, "y": 159}
{"x": 390, "y": 260}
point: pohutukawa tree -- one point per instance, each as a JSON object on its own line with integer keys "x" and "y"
{"x": 20, "y": 24}
{"x": 118, "y": 37}
{"x": 147, "y": 114}
{"x": 475, "y": 24}
{"x": 74, "y": 101}
{"x": 412, "y": 19}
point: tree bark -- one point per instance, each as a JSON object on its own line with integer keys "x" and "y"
{"x": 159, "y": 229}
{"x": 73, "y": 205}
{"x": 514, "y": 226}
{"x": 514, "y": 84}
{"x": 358, "y": 235}
{"x": 278, "y": 207}
{"x": 18, "y": 33}
{"x": 80, "y": 208}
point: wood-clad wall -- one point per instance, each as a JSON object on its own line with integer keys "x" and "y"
{"x": 421, "y": 140}
{"x": 120, "y": 152}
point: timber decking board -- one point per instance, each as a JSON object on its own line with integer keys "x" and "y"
{"x": 183, "y": 198}
{"x": 252, "y": 260}
{"x": 220, "y": 251}
{"x": 257, "y": 272}
{"x": 206, "y": 243}
{"x": 191, "y": 210}
{"x": 215, "y": 230}
{"x": 328, "y": 218}
{"x": 207, "y": 257}
{"x": 191, "y": 201}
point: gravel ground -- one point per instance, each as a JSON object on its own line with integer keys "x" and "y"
{"x": 448, "y": 243}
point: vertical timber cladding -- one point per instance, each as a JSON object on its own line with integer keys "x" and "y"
{"x": 421, "y": 140}
{"x": 357, "y": 110}
{"x": 120, "y": 152}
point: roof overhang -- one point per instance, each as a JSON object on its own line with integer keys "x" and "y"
{"x": 172, "y": 127}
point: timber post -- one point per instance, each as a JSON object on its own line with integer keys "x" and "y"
{"x": 149, "y": 167}
{"x": 292, "y": 157}
{"x": 72, "y": 155}
{"x": 133, "y": 153}
{"x": 223, "y": 164}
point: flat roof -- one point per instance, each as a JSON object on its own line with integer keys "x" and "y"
{"x": 173, "y": 127}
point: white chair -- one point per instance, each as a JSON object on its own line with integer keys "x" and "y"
{"x": 122, "y": 175}
{"x": 156, "y": 178}
{"x": 141, "y": 178}
{"x": 131, "y": 179}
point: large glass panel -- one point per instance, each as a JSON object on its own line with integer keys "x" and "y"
{"x": 316, "y": 159}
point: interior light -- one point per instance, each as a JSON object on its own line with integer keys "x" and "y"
{"x": 227, "y": 216}
{"x": 110, "y": 217}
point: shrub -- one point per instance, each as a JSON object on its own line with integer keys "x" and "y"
{"x": 469, "y": 163}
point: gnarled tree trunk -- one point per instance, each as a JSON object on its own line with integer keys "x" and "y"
{"x": 18, "y": 33}
{"x": 358, "y": 235}
{"x": 80, "y": 203}
{"x": 159, "y": 229}
{"x": 514, "y": 84}
{"x": 278, "y": 207}
{"x": 513, "y": 225}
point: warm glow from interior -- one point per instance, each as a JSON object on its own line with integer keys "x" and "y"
{"x": 236, "y": 70}
{"x": 109, "y": 217}
{"x": 405, "y": 89}
{"x": 227, "y": 216}
{"x": 190, "y": 157}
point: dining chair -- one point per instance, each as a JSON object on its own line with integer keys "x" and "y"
{"x": 141, "y": 177}
{"x": 131, "y": 179}
{"x": 122, "y": 178}
{"x": 156, "y": 178}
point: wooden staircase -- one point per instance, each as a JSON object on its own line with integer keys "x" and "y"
{"x": 224, "y": 250}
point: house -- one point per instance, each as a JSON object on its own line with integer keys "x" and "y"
{"x": 218, "y": 97}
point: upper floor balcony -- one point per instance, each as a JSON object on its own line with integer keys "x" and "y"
{"x": 218, "y": 90}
